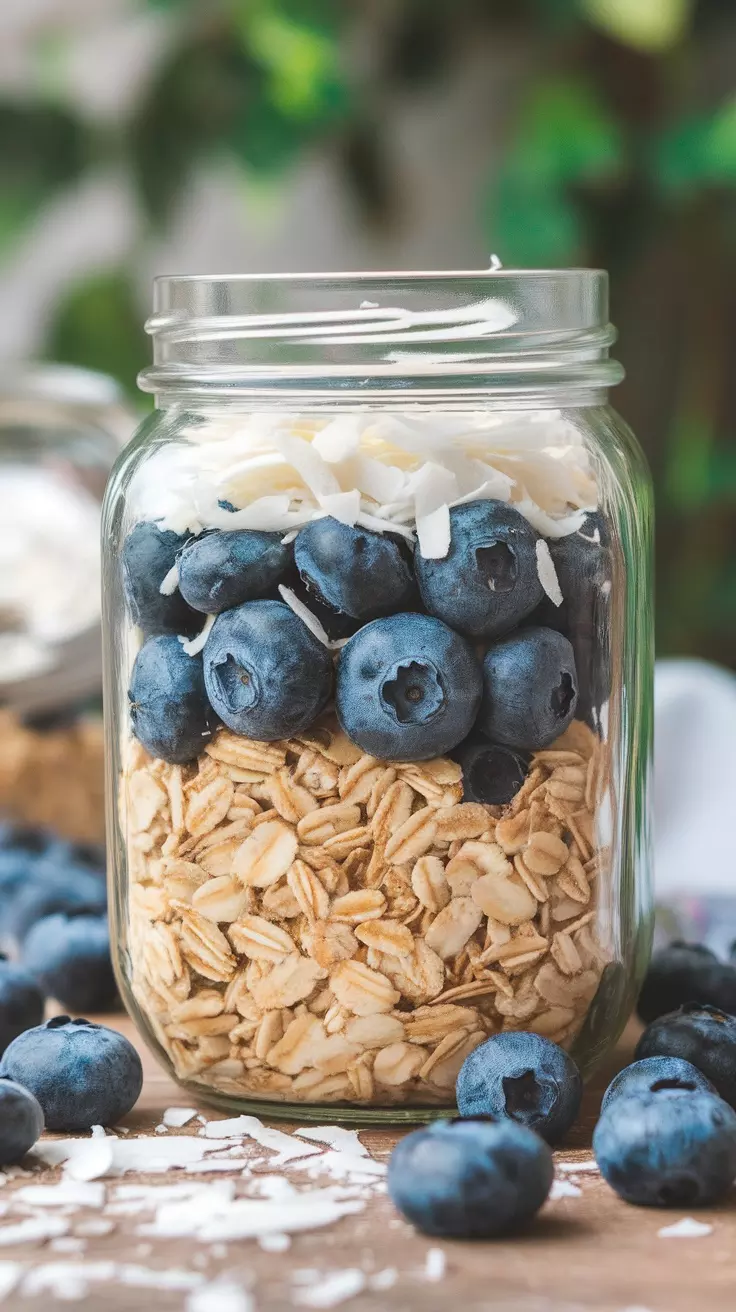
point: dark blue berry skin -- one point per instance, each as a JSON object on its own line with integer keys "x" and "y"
{"x": 667, "y": 1149}
{"x": 656, "y": 1075}
{"x": 21, "y": 1002}
{"x": 220, "y": 570}
{"x": 21, "y": 1122}
{"x": 491, "y": 773}
{"x": 358, "y": 573}
{"x": 169, "y": 712}
{"x": 488, "y": 581}
{"x": 267, "y": 676}
{"x": 49, "y": 890}
{"x": 148, "y": 554}
{"x": 82, "y": 1074}
{"x": 69, "y": 956}
{"x": 16, "y": 869}
{"x": 408, "y": 688}
{"x": 686, "y": 972}
{"x": 530, "y": 689}
{"x": 524, "y": 1078}
{"x": 702, "y": 1035}
{"x": 470, "y": 1179}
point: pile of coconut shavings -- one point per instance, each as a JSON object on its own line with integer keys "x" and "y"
{"x": 88, "y": 1201}
{"x": 398, "y": 473}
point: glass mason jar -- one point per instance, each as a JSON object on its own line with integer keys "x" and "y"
{"x": 61, "y": 430}
{"x": 378, "y": 685}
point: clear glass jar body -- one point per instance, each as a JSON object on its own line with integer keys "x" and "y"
{"x": 391, "y": 798}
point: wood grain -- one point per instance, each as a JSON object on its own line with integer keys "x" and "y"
{"x": 591, "y": 1252}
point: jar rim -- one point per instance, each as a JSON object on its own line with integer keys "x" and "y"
{"x": 507, "y": 331}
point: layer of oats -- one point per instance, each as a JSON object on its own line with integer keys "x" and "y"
{"x": 310, "y": 924}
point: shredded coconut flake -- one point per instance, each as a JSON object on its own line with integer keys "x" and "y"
{"x": 170, "y": 581}
{"x": 383, "y": 1280}
{"x": 435, "y": 1264}
{"x": 66, "y": 1193}
{"x": 344, "y": 506}
{"x": 547, "y": 573}
{"x": 193, "y": 646}
{"x": 332, "y": 1289}
{"x": 220, "y": 1296}
{"x": 563, "y": 1189}
{"x": 335, "y": 1137}
{"x": 338, "y": 439}
{"x": 305, "y": 615}
{"x": 687, "y": 1228}
{"x": 275, "y": 1243}
{"x": 33, "y": 1230}
{"x": 587, "y": 1167}
{"x": 433, "y": 531}
{"x": 176, "y": 1117}
{"x": 10, "y": 1274}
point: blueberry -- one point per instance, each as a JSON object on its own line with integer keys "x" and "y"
{"x": 221, "y": 570}
{"x": 661, "y": 1150}
{"x": 16, "y": 870}
{"x": 686, "y": 972}
{"x": 21, "y": 1122}
{"x": 530, "y": 689}
{"x": 582, "y": 562}
{"x": 355, "y": 572}
{"x": 702, "y": 1035}
{"x": 524, "y": 1078}
{"x": 267, "y": 675}
{"x": 50, "y": 890}
{"x": 69, "y": 955}
{"x": 488, "y": 581}
{"x": 470, "y": 1179}
{"x": 21, "y": 1002}
{"x": 408, "y": 688}
{"x": 491, "y": 773}
{"x": 656, "y": 1075}
{"x": 148, "y": 554}
{"x": 82, "y": 1074}
{"x": 168, "y": 703}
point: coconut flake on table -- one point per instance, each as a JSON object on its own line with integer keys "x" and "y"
{"x": 547, "y": 573}
{"x": 274, "y": 1243}
{"x": 563, "y": 1189}
{"x": 249, "y": 1218}
{"x": 335, "y": 1137}
{"x": 435, "y": 1264}
{"x": 220, "y": 1296}
{"x": 176, "y": 1117}
{"x": 589, "y": 1166}
{"x": 286, "y": 1145}
{"x": 147, "y": 1153}
{"x": 332, "y": 1289}
{"x": 10, "y": 1274}
{"x": 65, "y": 1193}
{"x": 687, "y": 1228}
{"x": 92, "y": 1160}
{"x": 33, "y": 1230}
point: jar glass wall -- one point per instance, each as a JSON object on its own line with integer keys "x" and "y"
{"x": 378, "y": 701}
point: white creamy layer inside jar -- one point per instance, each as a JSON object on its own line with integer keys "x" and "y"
{"x": 309, "y": 921}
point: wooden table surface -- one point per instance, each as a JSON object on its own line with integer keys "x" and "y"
{"x": 586, "y": 1252}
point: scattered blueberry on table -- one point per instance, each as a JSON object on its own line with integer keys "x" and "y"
{"x": 21, "y": 1001}
{"x": 69, "y": 955}
{"x": 408, "y": 688}
{"x": 524, "y": 1078}
{"x": 82, "y": 1074}
{"x": 169, "y": 710}
{"x": 470, "y": 1179}
{"x": 671, "y": 1148}
{"x": 682, "y": 973}
{"x": 656, "y": 1075}
{"x": 21, "y": 1122}
{"x": 702, "y": 1035}
{"x": 220, "y": 570}
{"x": 266, "y": 674}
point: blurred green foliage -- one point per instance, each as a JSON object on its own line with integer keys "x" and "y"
{"x": 620, "y": 152}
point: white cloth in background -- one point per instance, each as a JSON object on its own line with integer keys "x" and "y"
{"x": 694, "y": 779}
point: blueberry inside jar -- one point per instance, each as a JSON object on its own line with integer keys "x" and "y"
{"x": 378, "y": 686}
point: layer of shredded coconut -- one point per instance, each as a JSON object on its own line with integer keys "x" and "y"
{"x": 400, "y": 472}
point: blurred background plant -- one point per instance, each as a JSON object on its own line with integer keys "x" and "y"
{"x": 141, "y": 135}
